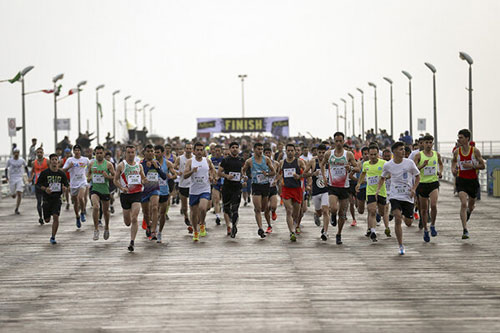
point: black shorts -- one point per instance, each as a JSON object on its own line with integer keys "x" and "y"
{"x": 405, "y": 207}
{"x": 171, "y": 185}
{"x": 273, "y": 191}
{"x": 102, "y": 197}
{"x": 126, "y": 200}
{"x": 163, "y": 198}
{"x": 184, "y": 191}
{"x": 231, "y": 198}
{"x": 424, "y": 190}
{"x": 352, "y": 187}
{"x": 51, "y": 207}
{"x": 340, "y": 192}
{"x": 361, "y": 195}
{"x": 260, "y": 189}
{"x": 380, "y": 199}
{"x": 469, "y": 186}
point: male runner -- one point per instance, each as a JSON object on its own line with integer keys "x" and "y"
{"x": 166, "y": 167}
{"x": 112, "y": 187}
{"x": 62, "y": 161}
{"x": 361, "y": 194}
{"x": 169, "y": 156}
{"x": 39, "y": 164}
{"x": 77, "y": 167}
{"x": 184, "y": 182}
{"x": 272, "y": 203}
{"x": 14, "y": 172}
{"x": 216, "y": 195}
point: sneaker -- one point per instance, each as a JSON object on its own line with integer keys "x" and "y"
{"x": 196, "y": 237}
{"x": 82, "y": 217}
{"x": 144, "y": 224}
{"x": 53, "y": 240}
{"x": 106, "y": 234}
{"x": 391, "y": 217}
{"x": 131, "y": 246}
{"x": 388, "y": 232}
{"x": 203, "y": 231}
{"x": 316, "y": 220}
{"x": 373, "y": 237}
{"x": 261, "y": 233}
{"x": 111, "y": 209}
{"x": 40, "y": 220}
{"x": 354, "y": 223}
{"x": 190, "y": 229}
{"x": 228, "y": 231}
{"x": 67, "y": 206}
{"x": 158, "y": 237}
{"x": 16, "y": 211}
{"x": 415, "y": 216}
{"x": 153, "y": 236}
{"x": 465, "y": 235}
{"x": 217, "y": 220}
{"x": 468, "y": 215}
{"x": 378, "y": 218}
{"x": 187, "y": 222}
{"x": 420, "y": 224}
{"x": 148, "y": 232}
{"x": 269, "y": 230}
{"x": 274, "y": 216}
{"x": 338, "y": 239}
{"x": 96, "y": 235}
{"x": 234, "y": 230}
{"x": 333, "y": 220}
{"x": 401, "y": 249}
{"x": 167, "y": 217}
{"x": 324, "y": 235}
{"x": 368, "y": 233}
{"x": 100, "y": 223}
{"x": 245, "y": 204}
{"x": 427, "y": 239}
{"x": 434, "y": 232}
{"x": 298, "y": 231}
{"x": 78, "y": 224}
{"x": 293, "y": 238}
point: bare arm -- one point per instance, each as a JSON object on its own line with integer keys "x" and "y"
{"x": 119, "y": 170}
{"x": 479, "y": 158}
{"x": 111, "y": 171}
{"x": 187, "y": 170}
{"x": 271, "y": 167}
{"x": 454, "y": 163}
{"x": 440, "y": 165}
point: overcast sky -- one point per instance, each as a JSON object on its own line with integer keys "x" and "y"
{"x": 183, "y": 57}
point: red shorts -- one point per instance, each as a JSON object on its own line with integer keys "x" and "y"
{"x": 292, "y": 193}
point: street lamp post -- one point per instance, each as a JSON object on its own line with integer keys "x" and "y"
{"x": 135, "y": 111}
{"x": 352, "y": 98}
{"x": 392, "y": 115}
{"x": 151, "y": 119}
{"x": 408, "y": 75}
{"x": 371, "y": 84}
{"x": 125, "y": 110}
{"x": 345, "y": 115}
{"x": 97, "y": 109}
{"x": 23, "y": 74}
{"x": 56, "y": 93}
{"x": 242, "y": 77}
{"x": 82, "y": 83}
{"x": 433, "y": 70}
{"x": 144, "y": 116}
{"x": 337, "y": 113}
{"x": 114, "y": 122}
{"x": 466, "y": 57}
{"x": 362, "y": 113}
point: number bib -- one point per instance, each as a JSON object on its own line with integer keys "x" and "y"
{"x": 373, "y": 180}
{"x": 200, "y": 179}
{"x": 134, "y": 179}
{"x": 320, "y": 183}
{"x": 162, "y": 182}
{"x": 98, "y": 178}
{"x": 55, "y": 187}
{"x": 401, "y": 189}
{"x": 429, "y": 171}
{"x": 261, "y": 178}
{"x": 78, "y": 177}
{"x": 236, "y": 176}
{"x": 339, "y": 171}
{"x": 152, "y": 176}
{"x": 461, "y": 165}
{"x": 288, "y": 173}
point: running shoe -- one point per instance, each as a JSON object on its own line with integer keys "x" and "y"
{"x": 338, "y": 238}
{"x": 333, "y": 220}
{"x": 217, "y": 220}
{"x": 316, "y": 220}
{"x": 203, "y": 231}
{"x": 187, "y": 222}
{"x": 391, "y": 217}
{"x": 234, "y": 230}
{"x": 111, "y": 209}
{"x": 131, "y": 246}
{"x": 158, "y": 237}
{"x": 269, "y": 230}
{"x": 229, "y": 231}
{"x": 298, "y": 231}
{"x": 78, "y": 224}
{"x": 465, "y": 235}
{"x": 190, "y": 229}
{"x": 196, "y": 237}
{"x": 354, "y": 223}
{"x": 274, "y": 216}
{"x": 153, "y": 236}
{"x": 388, "y": 232}
{"x": 434, "y": 232}
{"x": 100, "y": 223}
{"x": 401, "y": 249}
{"x": 16, "y": 211}
{"x": 40, "y": 220}
{"x": 373, "y": 237}
{"x": 106, "y": 234}
{"x": 427, "y": 239}
{"x": 468, "y": 215}
{"x": 420, "y": 224}
{"x": 368, "y": 233}
{"x": 96, "y": 235}
{"x": 144, "y": 224}
{"x": 148, "y": 232}
{"x": 415, "y": 216}
{"x": 67, "y": 206}
{"x": 378, "y": 218}
{"x": 261, "y": 233}
{"x": 324, "y": 235}
{"x": 293, "y": 238}
{"x": 245, "y": 204}
{"x": 53, "y": 240}
{"x": 167, "y": 217}
{"x": 82, "y": 217}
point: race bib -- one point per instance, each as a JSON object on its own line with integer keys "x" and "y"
{"x": 401, "y": 189}
{"x": 78, "y": 177}
{"x": 162, "y": 182}
{"x": 55, "y": 187}
{"x": 288, "y": 173}
{"x": 134, "y": 179}
{"x": 339, "y": 171}
{"x": 236, "y": 176}
{"x": 98, "y": 178}
{"x": 461, "y": 165}
{"x": 429, "y": 171}
{"x": 199, "y": 180}
{"x": 373, "y": 180}
{"x": 320, "y": 183}
{"x": 152, "y": 176}
{"x": 261, "y": 178}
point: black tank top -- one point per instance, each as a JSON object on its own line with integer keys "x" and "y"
{"x": 318, "y": 184}
{"x": 288, "y": 170}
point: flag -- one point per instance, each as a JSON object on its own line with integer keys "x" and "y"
{"x": 72, "y": 91}
{"x": 58, "y": 90}
{"x": 15, "y": 78}
{"x": 48, "y": 91}
{"x": 99, "y": 107}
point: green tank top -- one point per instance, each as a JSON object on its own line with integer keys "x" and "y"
{"x": 373, "y": 173}
{"x": 428, "y": 174}
{"x": 99, "y": 182}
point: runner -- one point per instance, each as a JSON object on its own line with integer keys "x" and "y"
{"x": 306, "y": 188}
{"x": 100, "y": 172}
{"x": 167, "y": 167}
{"x": 353, "y": 181}
{"x": 230, "y": 170}
{"x": 201, "y": 171}
{"x": 361, "y": 195}
{"x": 169, "y": 156}
{"x": 67, "y": 154}
{"x": 291, "y": 170}
{"x": 272, "y": 205}
{"x": 129, "y": 178}
{"x": 387, "y": 156}
{"x": 51, "y": 183}
{"x": 405, "y": 178}
{"x": 467, "y": 160}
{"x": 184, "y": 182}
{"x": 216, "y": 195}
{"x": 112, "y": 187}
{"x": 339, "y": 163}
{"x": 262, "y": 168}
{"x": 430, "y": 164}
{"x": 14, "y": 173}
{"x": 77, "y": 167}
{"x": 39, "y": 164}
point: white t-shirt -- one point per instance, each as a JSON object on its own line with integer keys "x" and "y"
{"x": 16, "y": 168}
{"x": 402, "y": 176}
{"x": 413, "y": 154}
{"x": 78, "y": 171}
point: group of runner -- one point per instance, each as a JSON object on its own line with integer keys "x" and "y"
{"x": 389, "y": 183}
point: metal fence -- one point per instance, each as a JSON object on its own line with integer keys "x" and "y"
{"x": 487, "y": 148}
{"x": 448, "y": 175}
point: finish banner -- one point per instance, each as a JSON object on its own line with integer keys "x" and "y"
{"x": 277, "y": 126}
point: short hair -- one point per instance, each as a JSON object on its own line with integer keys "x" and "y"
{"x": 364, "y": 149}
{"x": 373, "y": 146}
{"x": 53, "y": 155}
{"x": 267, "y": 149}
{"x": 197, "y": 144}
{"x": 76, "y": 147}
{"x": 322, "y": 147}
{"x": 189, "y": 143}
{"x": 99, "y": 148}
{"x": 257, "y": 144}
{"x": 130, "y": 147}
{"x": 386, "y": 150}
{"x": 428, "y": 137}
{"x": 339, "y": 134}
{"x": 168, "y": 145}
{"x": 422, "y": 138}
{"x": 148, "y": 146}
{"x": 108, "y": 153}
{"x": 407, "y": 149}
{"x": 465, "y": 132}
{"x": 396, "y": 145}
{"x": 218, "y": 147}
{"x": 39, "y": 148}
{"x": 160, "y": 148}
{"x": 290, "y": 145}
{"x": 234, "y": 143}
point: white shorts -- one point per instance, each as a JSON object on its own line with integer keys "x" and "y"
{"x": 73, "y": 191}
{"x": 320, "y": 200}
{"x": 16, "y": 185}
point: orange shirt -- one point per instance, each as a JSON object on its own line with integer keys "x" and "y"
{"x": 39, "y": 167}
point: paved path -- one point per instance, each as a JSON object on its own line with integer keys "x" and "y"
{"x": 249, "y": 284}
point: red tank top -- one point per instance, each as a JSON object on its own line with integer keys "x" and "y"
{"x": 39, "y": 167}
{"x": 466, "y": 173}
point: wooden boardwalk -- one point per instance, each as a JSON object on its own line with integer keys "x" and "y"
{"x": 250, "y": 284}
